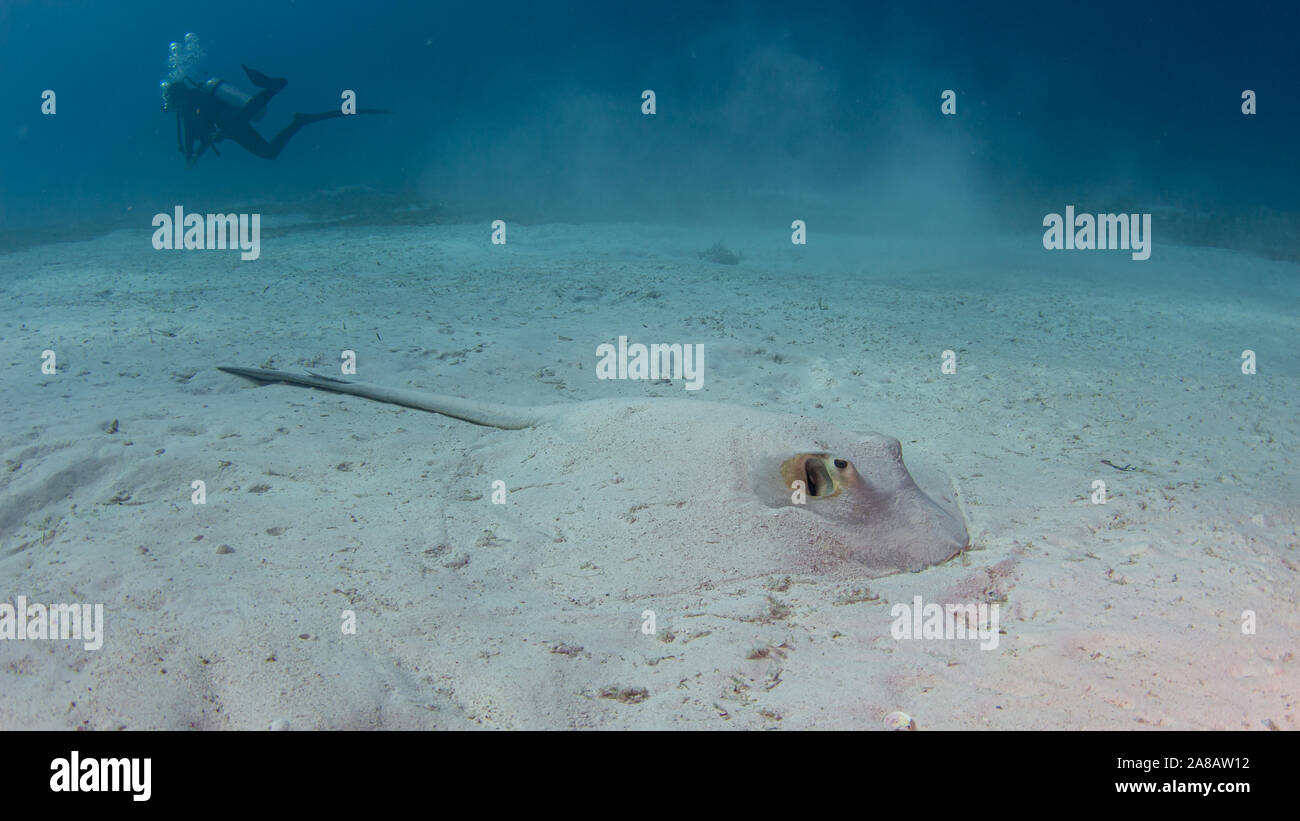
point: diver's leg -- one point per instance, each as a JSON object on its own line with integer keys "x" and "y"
{"x": 250, "y": 140}
{"x": 244, "y": 134}
{"x": 270, "y": 86}
{"x": 279, "y": 141}
{"x": 260, "y": 80}
{"x": 255, "y": 104}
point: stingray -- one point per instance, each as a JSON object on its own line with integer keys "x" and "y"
{"x": 686, "y": 492}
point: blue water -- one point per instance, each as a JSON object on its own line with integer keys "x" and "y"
{"x": 923, "y": 305}
{"x": 533, "y": 109}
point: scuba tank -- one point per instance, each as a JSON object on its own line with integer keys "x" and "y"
{"x": 232, "y": 96}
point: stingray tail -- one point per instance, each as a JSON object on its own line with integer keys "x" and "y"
{"x": 506, "y": 417}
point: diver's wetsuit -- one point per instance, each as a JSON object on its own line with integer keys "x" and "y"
{"x": 204, "y": 119}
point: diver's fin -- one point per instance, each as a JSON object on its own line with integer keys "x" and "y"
{"x": 301, "y": 119}
{"x": 260, "y": 80}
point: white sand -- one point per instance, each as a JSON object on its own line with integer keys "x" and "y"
{"x": 1126, "y": 615}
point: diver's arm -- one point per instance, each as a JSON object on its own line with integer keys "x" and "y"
{"x": 193, "y": 159}
{"x": 209, "y": 141}
{"x": 187, "y": 143}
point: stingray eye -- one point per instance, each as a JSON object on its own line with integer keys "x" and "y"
{"x": 817, "y": 472}
{"x": 841, "y": 463}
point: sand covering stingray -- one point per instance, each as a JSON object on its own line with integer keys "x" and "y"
{"x": 744, "y": 492}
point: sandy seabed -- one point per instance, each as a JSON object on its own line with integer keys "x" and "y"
{"x": 1127, "y": 614}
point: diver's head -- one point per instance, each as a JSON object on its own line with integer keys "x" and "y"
{"x": 174, "y": 93}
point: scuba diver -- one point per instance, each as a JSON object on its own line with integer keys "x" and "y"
{"x": 214, "y": 111}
